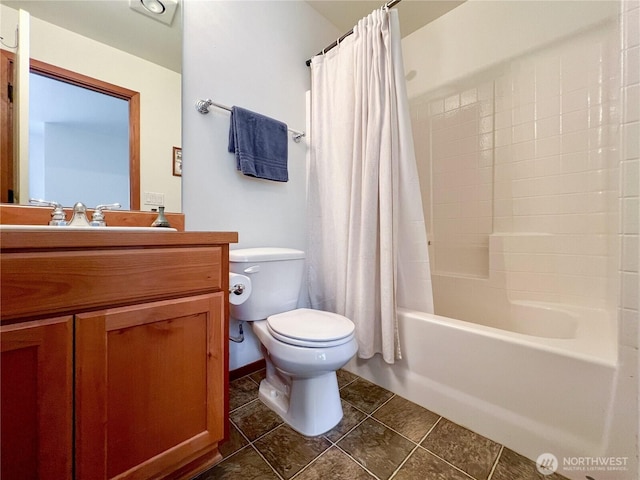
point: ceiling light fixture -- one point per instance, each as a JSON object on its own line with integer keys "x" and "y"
{"x": 160, "y": 10}
{"x": 153, "y": 6}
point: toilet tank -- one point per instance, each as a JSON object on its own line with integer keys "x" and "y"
{"x": 276, "y": 276}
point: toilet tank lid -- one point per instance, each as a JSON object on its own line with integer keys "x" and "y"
{"x": 264, "y": 254}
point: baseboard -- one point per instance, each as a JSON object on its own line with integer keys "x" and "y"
{"x": 246, "y": 369}
{"x": 198, "y": 465}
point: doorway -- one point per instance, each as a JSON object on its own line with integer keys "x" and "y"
{"x": 70, "y": 79}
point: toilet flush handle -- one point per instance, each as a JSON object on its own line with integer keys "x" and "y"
{"x": 252, "y": 269}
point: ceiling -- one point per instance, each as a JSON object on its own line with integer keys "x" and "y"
{"x": 113, "y": 22}
{"x": 414, "y": 14}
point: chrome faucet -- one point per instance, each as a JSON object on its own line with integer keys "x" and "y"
{"x": 57, "y": 216}
{"x": 98, "y": 215}
{"x": 79, "y": 217}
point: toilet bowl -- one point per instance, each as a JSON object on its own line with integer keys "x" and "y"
{"x": 301, "y": 384}
{"x": 302, "y": 347}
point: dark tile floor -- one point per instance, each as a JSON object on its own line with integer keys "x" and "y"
{"x": 381, "y": 436}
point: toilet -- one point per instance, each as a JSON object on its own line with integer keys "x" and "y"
{"x": 302, "y": 348}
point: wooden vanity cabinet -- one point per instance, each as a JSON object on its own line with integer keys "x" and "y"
{"x": 129, "y": 379}
{"x": 36, "y": 412}
{"x": 149, "y": 388}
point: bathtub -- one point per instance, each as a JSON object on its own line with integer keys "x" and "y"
{"x": 543, "y": 386}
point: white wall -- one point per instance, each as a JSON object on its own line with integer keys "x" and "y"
{"x": 450, "y": 51}
{"x": 160, "y": 98}
{"x": 251, "y": 54}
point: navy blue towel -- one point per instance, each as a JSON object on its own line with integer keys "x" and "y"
{"x": 260, "y": 144}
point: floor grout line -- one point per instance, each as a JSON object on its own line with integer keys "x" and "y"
{"x": 447, "y": 462}
{"x": 357, "y": 462}
{"x": 347, "y": 432}
{"x": 268, "y": 432}
{"x": 402, "y": 434}
{"x": 404, "y": 461}
{"x": 440, "y": 417}
{"x": 239, "y": 430}
{"x": 495, "y": 463}
{"x": 266, "y": 461}
{"x": 418, "y": 445}
{"x": 312, "y": 461}
{"x": 242, "y": 406}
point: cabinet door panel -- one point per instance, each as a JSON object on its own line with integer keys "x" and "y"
{"x": 162, "y": 366}
{"x": 36, "y": 410}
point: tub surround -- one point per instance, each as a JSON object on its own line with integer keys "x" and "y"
{"x": 105, "y": 329}
{"x": 528, "y": 181}
{"x": 534, "y": 394}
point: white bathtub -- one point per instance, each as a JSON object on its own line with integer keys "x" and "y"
{"x": 549, "y": 392}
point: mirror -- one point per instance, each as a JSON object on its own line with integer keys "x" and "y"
{"x": 114, "y": 43}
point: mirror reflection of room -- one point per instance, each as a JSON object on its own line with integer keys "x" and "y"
{"x": 77, "y": 137}
{"x": 65, "y": 35}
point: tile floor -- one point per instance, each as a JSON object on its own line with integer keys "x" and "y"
{"x": 381, "y": 436}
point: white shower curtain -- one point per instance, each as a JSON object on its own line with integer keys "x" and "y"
{"x": 367, "y": 249}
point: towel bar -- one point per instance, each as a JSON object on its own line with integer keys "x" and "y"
{"x": 202, "y": 106}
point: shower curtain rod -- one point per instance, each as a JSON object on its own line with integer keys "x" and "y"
{"x": 389, "y": 4}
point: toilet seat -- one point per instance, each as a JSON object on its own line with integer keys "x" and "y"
{"x": 304, "y": 327}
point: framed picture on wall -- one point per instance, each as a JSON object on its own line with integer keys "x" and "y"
{"x": 177, "y": 161}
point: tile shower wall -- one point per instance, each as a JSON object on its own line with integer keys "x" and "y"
{"x": 626, "y": 420}
{"x": 523, "y": 164}
{"x": 629, "y": 174}
{"x": 456, "y": 133}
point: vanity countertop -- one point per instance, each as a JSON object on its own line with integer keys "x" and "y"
{"x": 11, "y": 214}
{"x": 68, "y": 239}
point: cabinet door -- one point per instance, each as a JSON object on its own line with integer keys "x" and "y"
{"x": 37, "y": 404}
{"x": 149, "y": 387}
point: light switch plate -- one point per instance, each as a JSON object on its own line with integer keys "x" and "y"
{"x": 153, "y": 198}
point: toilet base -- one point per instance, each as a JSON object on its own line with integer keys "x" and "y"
{"x": 311, "y": 406}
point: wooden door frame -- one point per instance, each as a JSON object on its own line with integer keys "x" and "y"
{"x": 77, "y": 79}
{"x": 6, "y": 127}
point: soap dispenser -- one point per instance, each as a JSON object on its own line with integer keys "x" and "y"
{"x": 161, "y": 220}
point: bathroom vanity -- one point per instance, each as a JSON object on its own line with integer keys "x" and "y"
{"x": 114, "y": 353}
